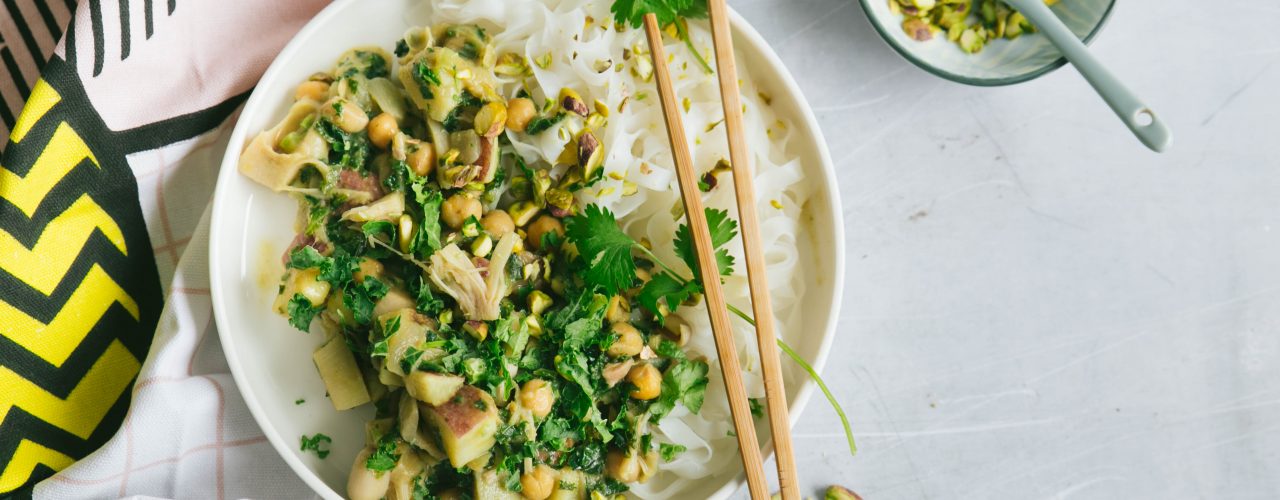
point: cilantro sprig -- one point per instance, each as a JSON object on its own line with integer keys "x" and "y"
{"x": 668, "y": 12}
{"x": 604, "y": 247}
{"x": 607, "y": 251}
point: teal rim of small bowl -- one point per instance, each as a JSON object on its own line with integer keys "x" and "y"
{"x": 978, "y": 82}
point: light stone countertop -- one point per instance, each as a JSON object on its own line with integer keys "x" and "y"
{"x": 1035, "y": 305}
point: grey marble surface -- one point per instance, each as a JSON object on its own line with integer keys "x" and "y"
{"x": 1036, "y": 306}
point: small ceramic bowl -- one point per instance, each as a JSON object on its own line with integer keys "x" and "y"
{"x": 1001, "y": 62}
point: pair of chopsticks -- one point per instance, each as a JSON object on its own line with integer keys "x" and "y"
{"x": 775, "y": 395}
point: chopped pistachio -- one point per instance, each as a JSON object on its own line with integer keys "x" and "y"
{"x": 572, "y": 102}
{"x": 539, "y": 301}
{"x": 970, "y": 24}
{"x": 480, "y": 247}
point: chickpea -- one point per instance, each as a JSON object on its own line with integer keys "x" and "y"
{"x": 538, "y": 483}
{"x": 363, "y": 483}
{"x": 619, "y": 310}
{"x": 629, "y": 341}
{"x": 622, "y": 467}
{"x": 497, "y": 223}
{"x": 519, "y": 113}
{"x": 421, "y": 158}
{"x": 368, "y": 267}
{"x": 537, "y": 396}
{"x": 647, "y": 380}
{"x": 458, "y": 208}
{"x": 316, "y": 91}
{"x": 345, "y": 114}
{"x": 381, "y": 129}
{"x": 543, "y": 225}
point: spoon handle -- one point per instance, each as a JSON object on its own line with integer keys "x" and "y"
{"x": 1144, "y": 122}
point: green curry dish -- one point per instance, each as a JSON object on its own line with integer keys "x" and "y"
{"x": 970, "y": 24}
{"x": 504, "y": 333}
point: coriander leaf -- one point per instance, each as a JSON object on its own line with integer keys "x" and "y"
{"x": 684, "y": 382}
{"x": 757, "y": 408}
{"x": 301, "y": 312}
{"x": 384, "y": 457}
{"x": 632, "y": 11}
{"x": 665, "y": 286}
{"x": 604, "y": 248}
{"x": 691, "y": 378}
{"x": 669, "y": 451}
{"x": 305, "y": 257}
{"x": 723, "y": 230}
{"x": 315, "y": 442}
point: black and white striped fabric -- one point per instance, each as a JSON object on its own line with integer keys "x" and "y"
{"x": 112, "y": 118}
{"x": 29, "y": 31}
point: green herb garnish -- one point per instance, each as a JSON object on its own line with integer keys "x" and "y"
{"x": 668, "y": 12}
{"x": 314, "y": 443}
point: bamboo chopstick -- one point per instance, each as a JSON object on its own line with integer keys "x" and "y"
{"x": 743, "y": 424}
{"x": 757, "y": 278}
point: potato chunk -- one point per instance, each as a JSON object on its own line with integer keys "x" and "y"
{"x": 467, "y": 424}
{"x": 432, "y": 388}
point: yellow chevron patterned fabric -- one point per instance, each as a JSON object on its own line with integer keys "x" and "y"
{"x": 75, "y": 312}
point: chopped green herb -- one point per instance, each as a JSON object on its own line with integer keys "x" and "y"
{"x": 684, "y": 382}
{"x": 426, "y": 77}
{"x": 541, "y": 123}
{"x": 384, "y": 457}
{"x": 315, "y": 444}
{"x": 305, "y": 257}
{"x": 668, "y": 12}
{"x": 605, "y": 249}
{"x": 301, "y": 312}
{"x": 668, "y": 452}
{"x": 723, "y": 230}
{"x": 345, "y": 150}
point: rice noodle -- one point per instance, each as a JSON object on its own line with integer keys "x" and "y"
{"x": 637, "y": 150}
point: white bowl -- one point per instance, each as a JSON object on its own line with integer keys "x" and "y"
{"x": 251, "y": 227}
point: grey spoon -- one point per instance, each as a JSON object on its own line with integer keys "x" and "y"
{"x": 1135, "y": 114}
